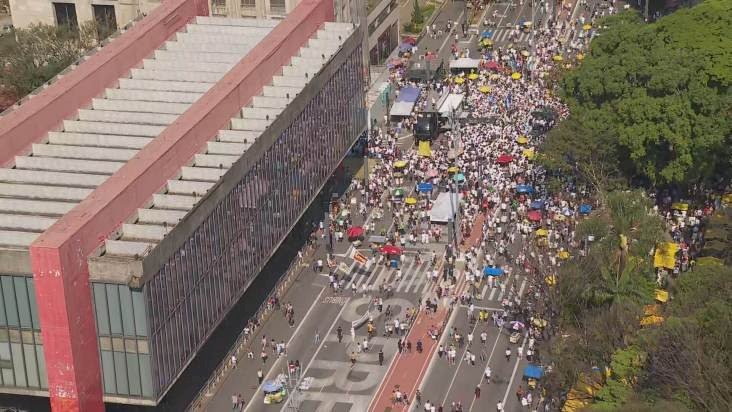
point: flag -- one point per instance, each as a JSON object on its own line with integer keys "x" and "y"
{"x": 360, "y": 258}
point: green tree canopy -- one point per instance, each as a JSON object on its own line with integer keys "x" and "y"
{"x": 653, "y": 98}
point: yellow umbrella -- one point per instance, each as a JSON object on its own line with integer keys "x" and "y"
{"x": 494, "y": 76}
{"x": 453, "y": 169}
{"x": 525, "y": 53}
{"x": 410, "y": 201}
{"x": 586, "y": 27}
{"x": 516, "y": 75}
{"x": 473, "y": 76}
{"x": 580, "y": 56}
{"x": 487, "y": 42}
{"x": 551, "y": 280}
{"x": 529, "y": 153}
{"x": 557, "y": 58}
{"x": 485, "y": 89}
{"x": 459, "y": 80}
{"x": 522, "y": 140}
{"x": 542, "y": 232}
{"x": 539, "y": 323}
{"x": 683, "y": 207}
{"x": 563, "y": 254}
{"x": 400, "y": 164}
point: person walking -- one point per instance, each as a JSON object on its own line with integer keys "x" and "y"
{"x": 260, "y": 376}
{"x": 508, "y": 354}
{"x": 381, "y": 357}
{"x": 487, "y": 374}
{"x": 477, "y": 392}
{"x": 339, "y": 333}
{"x": 317, "y": 337}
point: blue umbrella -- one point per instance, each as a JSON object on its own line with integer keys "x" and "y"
{"x": 492, "y": 271}
{"x": 424, "y": 187}
{"x": 486, "y": 34}
{"x": 524, "y": 189}
{"x": 459, "y": 177}
{"x": 585, "y": 209}
{"x": 537, "y": 204}
{"x": 271, "y": 386}
{"x": 533, "y": 371}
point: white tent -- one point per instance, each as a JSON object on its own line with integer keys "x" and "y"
{"x": 401, "y": 109}
{"x": 464, "y": 64}
{"x": 445, "y": 207}
{"x": 453, "y": 102}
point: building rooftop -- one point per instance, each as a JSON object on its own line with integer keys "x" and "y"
{"x": 64, "y": 169}
{"x": 121, "y": 254}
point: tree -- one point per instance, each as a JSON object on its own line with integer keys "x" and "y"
{"x": 40, "y": 52}
{"x": 656, "y": 97}
{"x": 417, "y": 16}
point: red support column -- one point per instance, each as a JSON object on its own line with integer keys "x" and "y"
{"x": 63, "y": 294}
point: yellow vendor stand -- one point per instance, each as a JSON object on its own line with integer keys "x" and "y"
{"x": 424, "y": 149}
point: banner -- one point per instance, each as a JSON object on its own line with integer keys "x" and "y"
{"x": 665, "y": 256}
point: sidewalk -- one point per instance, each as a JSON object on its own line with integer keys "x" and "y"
{"x": 476, "y": 233}
{"x": 408, "y": 369}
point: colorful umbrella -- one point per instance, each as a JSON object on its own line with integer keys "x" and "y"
{"x": 459, "y": 177}
{"x": 563, "y": 254}
{"x": 398, "y": 192}
{"x": 492, "y": 65}
{"x": 580, "y": 56}
{"x": 492, "y": 271}
{"x": 484, "y": 89}
{"x": 486, "y": 34}
{"x": 355, "y": 232}
{"x": 529, "y": 153}
{"x": 516, "y": 75}
{"x": 473, "y": 76}
{"x": 400, "y": 164}
{"x": 533, "y": 372}
{"x": 524, "y": 189}
{"x": 504, "y": 159}
{"x": 459, "y": 80}
{"x": 557, "y": 58}
{"x": 586, "y": 27}
{"x": 585, "y": 209}
{"x": 433, "y": 173}
{"x": 391, "y": 250}
{"x": 534, "y": 215}
{"x": 516, "y": 325}
{"x": 453, "y": 169}
{"x": 409, "y": 39}
{"x": 424, "y": 187}
{"x": 494, "y": 76}
{"x": 410, "y": 201}
{"x": 522, "y": 140}
{"x": 537, "y": 204}
{"x": 542, "y": 232}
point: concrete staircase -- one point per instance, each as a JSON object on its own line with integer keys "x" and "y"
{"x": 167, "y": 208}
{"x": 71, "y": 163}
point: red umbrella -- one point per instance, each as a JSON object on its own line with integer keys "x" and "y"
{"x": 409, "y": 39}
{"x": 492, "y": 65}
{"x": 355, "y": 232}
{"x": 534, "y": 216}
{"x": 505, "y": 159}
{"x": 391, "y": 250}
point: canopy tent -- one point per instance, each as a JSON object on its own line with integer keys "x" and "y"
{"x": 533, "y": 371}
{"x": 271, "y": 386}
{"x": 451, "y": 102}
{"x": 404, "y": 104}
{"x": 424, "y": 187}
{"x": 492, "y": 271}
{"x": 464, "y": 64}
{"x": 445, "y": 206}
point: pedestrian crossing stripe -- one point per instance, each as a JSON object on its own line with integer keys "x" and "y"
{"x": 502, "y": 35}
{"x": 360, "y": 258}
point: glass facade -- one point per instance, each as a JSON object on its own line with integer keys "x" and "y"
{"x": 196, "y": 287}
{"x": 21, "y": 350}
{"x": 124, "y": 349}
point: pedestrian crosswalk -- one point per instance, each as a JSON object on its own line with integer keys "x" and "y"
{"x": 415, "y": 277}
{"x": 504, "y": 36}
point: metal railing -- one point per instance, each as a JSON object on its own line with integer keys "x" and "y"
{"x": 88, "y": 53}
{"x": 243, "y": 341}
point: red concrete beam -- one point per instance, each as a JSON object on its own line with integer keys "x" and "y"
{"x": 59, "y": 256}
{"x": 44, "y": 112}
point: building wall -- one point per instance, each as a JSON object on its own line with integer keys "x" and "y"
{"x": 27, "y": 12}
{"x": 195, "y": 288}
{"x": 383, "y": 31}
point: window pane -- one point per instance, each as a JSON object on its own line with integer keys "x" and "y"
{"x": 128, "y": 322}
{"x": 11, "y": 308}
{"x": 33, "y": 304}
{"x": 133, "y": 371}
{"x": 41, "y": 366}
{"x": 100, "y": 309}
{"x": 108, "y": 372}
{"x": 115, "y": 317}
{"x": 30, "y": 365}
{"x": 146, "y": 376}
{"x": 21, "y": 296}
{"x": 120, "y": 368}
{"x": 138, "y": 304}
{"x": 18, "y": 364}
